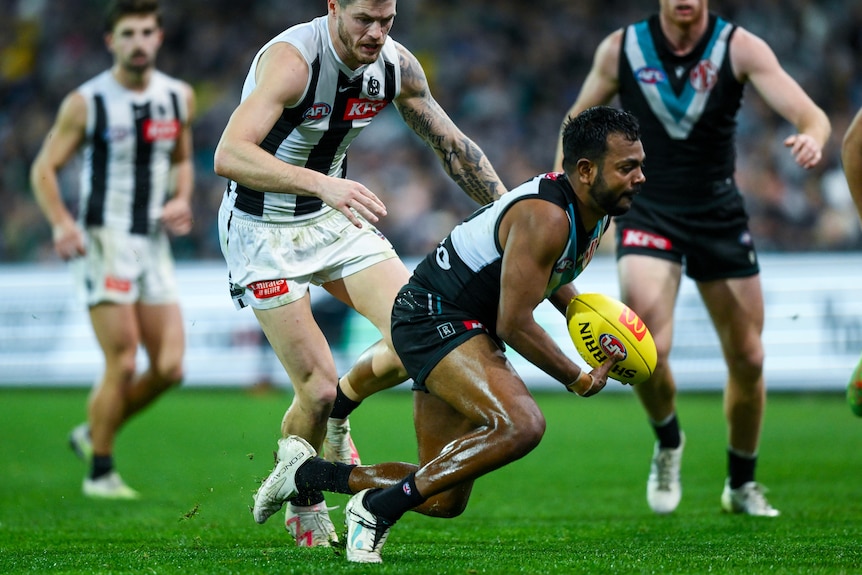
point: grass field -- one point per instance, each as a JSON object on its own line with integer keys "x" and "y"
{"x": 574, "y": 505}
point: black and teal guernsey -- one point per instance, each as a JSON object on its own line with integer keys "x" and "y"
{"x": 687, "y": 108}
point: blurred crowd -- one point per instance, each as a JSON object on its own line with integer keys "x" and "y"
{"x": 505, "y": 70}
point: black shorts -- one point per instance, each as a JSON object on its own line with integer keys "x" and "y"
{"x": 426, "y": 327}
{"x": 712, "y": 244}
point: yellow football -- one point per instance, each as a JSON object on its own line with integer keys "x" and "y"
{"x": 600, "y": 325}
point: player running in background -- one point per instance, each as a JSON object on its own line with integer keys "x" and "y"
{"x": 682, "y": 73}
{"x": 131, "y": 125}
{"x": 291, "y": 218}
{"x": 851, "y": 158}
{"x": 466, "y": 301}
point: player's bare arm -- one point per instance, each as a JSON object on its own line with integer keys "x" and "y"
{"x": 282, "y": 76}
{"x": 754, "y": 61}
{"x": 177, "y": 212}
{"x": 462, "y": 159}
{"x": 61, "y": 143}
{"x": 534, "y": 234}
{"x": 600, "y": 86}
{"x": 851, "y": 158}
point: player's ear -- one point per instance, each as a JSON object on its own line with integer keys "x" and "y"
{"x": 586, "y": 171}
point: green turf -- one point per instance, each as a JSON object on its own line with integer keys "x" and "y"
{"x": 574, "y": 505}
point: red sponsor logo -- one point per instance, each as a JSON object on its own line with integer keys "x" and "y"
{"x": 363, "y": 108}
{"x": 633, "y": 323}
{"x": 118, "y": 284}
{"x": 703, "y": 76}
{"x": 473, "y": 324}
{"x": 156, "y": 130}
{"x": 269, "y": 288}
{"x": 640, "y": 239}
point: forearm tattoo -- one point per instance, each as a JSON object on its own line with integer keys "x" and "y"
{"x": 465, "y": 162}
{"x": 462, "y": 159}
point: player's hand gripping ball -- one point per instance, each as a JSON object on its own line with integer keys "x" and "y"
{"x": 854, "y": 390}
{"x": 600, "y": 325}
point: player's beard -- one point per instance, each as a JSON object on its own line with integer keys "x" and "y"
{"x": 607, "y": 199}
{"x": 350, "y": 46}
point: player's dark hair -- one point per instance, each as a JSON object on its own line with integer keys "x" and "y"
{"x": 118, "y": 9}
{"x": 586, "y": 135}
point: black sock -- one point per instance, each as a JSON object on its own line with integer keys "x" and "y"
{"x": 102, "y": 465}
{"x": 343, "y": 405}
{"x": 317, "y": 474}
{"x": 740, "y": 468}
{"x": 307, "y": 498}
{"x": 667, "y": 432}
{"x": 393, "y": 502}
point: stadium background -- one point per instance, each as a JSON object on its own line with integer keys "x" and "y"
{"x": 506, "y": 75}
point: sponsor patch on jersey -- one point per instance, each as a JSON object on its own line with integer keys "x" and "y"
{"x": 703, "y": 76}
{"x": 160, "y": 130}
{"x": 650, "y": 75}
{"x": 641, "y": 239}
{"x": 269, "y": 288}
{"x": 363, "y": 108}
{"x": 118, "y": 284}
{"x": 317, "y": 111}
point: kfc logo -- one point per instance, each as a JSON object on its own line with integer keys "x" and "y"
{"x": 363, "y": 108}
{"x": 159, "y": 130}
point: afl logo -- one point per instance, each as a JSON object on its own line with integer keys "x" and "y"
{"x": 611, "y": 344}
{"x": 647, "y": 75}
{"x": 703, "y": 76}
{"x": 317, "y": 111}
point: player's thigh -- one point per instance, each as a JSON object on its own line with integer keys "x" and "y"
{"x": 481, "y": 388}
{"x": 371, "y": 292}
{"x": 649, "y": 285}
{"x": 299, "y": 344}
{"x": 736, "y": 308}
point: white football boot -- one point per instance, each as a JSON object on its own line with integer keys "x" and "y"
{"x": 664, "y": 488}
{"x": 366, "y": 533}
{"x": 749, "y": 499}
{"x": 280, "y": 486}
{"x": 310, "y": 525}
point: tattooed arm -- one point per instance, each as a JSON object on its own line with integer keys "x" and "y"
{"x": 462, "y": 159}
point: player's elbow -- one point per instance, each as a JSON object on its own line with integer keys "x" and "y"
{"x": 224, "y": 161}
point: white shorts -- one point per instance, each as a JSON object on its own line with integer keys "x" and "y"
{"x": 125, "y": 268}
{"x": 272, "y": 264}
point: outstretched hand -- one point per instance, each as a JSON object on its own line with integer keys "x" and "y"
{"x": 591, "y": 383}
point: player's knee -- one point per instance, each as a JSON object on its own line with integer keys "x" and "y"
{"x": 521, "y": 434}
{"x": 747, "y": 364}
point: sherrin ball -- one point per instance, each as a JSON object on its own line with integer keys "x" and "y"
{"x": 600, "y": 325}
